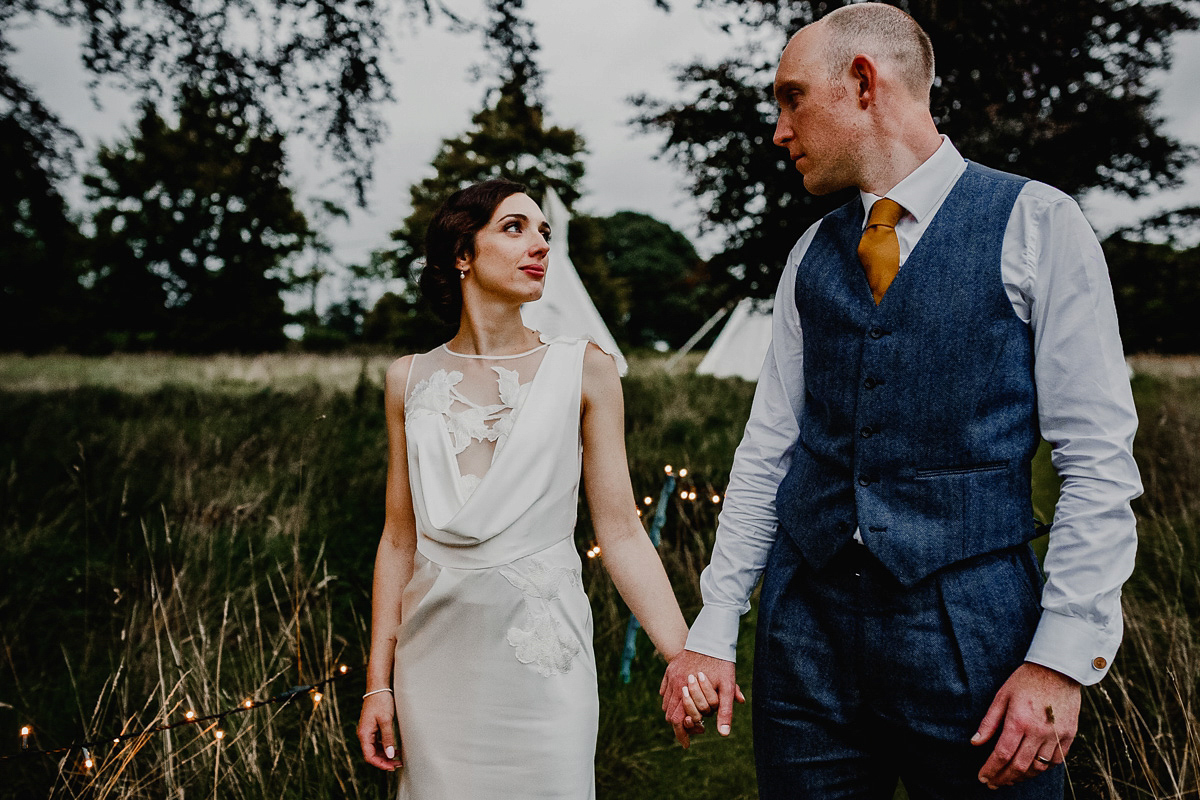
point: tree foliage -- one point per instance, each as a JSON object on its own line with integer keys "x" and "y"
{"x": 319, "y": 61}
{"x": 193, "y": 230}
{"x": 656, "y": 270}
{"x": 1156, "y": 283}
{"x": 41, "y": 301}
{"x": 1059, "y": 92}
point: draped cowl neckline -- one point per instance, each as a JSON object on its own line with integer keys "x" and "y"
{"x": 524, "y": 489}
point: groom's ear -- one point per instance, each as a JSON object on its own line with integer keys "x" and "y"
{"x": 865, "y": 74}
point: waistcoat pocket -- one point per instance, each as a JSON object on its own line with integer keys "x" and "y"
{"x": 967, "y": 469}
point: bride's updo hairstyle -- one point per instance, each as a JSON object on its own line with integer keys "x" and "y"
{"x": 451, "y": 234}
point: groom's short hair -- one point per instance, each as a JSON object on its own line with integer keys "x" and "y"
{"x": 885, "y": 33}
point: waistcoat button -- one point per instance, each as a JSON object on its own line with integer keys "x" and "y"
{"x": 870, "y": 383}
{"x": 876, "y": 333}
{"x": 866, "y": 432}
{"x": 864, "y": 481}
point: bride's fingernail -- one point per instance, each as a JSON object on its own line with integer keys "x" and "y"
{"x": 686, "y": 693}
{"x": 723, "y": 730}
{"x": 691, "y": 678}
{"x": 702, "y": 677}
{"x": 390, "y": 751}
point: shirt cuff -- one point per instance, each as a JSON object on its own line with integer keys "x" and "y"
{"x": 715, "y": 633}
{"x": 1071, "y": 646}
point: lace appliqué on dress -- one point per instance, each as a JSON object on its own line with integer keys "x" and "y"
{"x": 438, "y": 395}
{"x": 542, "y": 642}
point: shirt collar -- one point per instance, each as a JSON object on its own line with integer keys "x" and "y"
{"x": 922, "y": 190}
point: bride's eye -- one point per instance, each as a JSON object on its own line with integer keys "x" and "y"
{"x": 513, "y": 225}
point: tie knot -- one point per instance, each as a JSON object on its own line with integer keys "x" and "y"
{"x": 886, "y": 212}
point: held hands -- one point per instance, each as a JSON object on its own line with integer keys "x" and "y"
{"x": 693, "y": 686}
{"x": 1037, "y": 714}
{"x": 377, "y": 731}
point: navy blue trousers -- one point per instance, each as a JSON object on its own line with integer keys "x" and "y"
{"x": 860, "y": 682}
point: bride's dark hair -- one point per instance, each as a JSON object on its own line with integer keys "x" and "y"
{"x": 451, "y": 234}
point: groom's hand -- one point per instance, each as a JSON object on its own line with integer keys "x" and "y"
{"x": 721, "y": 675}
{"x": 1036, "y": 712}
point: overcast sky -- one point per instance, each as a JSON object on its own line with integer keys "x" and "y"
{"x": 595, "y": 54}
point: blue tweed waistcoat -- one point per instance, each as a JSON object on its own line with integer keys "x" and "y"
{"x": 919, "y": 420}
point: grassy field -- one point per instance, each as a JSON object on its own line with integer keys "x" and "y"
{"x": 186, "y": 534}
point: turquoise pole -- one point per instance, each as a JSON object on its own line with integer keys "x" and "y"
{"x": 656, "y": 525}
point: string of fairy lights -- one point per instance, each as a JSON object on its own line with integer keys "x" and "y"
{"x": 672, "y": 477}
{"x": 190, "y": 717}
{"x": 687, "y": 492}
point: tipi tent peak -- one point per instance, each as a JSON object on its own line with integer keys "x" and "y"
{"x": 565, "y": 308}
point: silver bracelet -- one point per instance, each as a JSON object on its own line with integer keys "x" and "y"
{"x": 377, "y": 691}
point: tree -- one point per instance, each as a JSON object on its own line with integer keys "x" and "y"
{"x": 1055, "y": 92}
{"x": 664, "y": 281}
{"x": 318, "y": 60}
{"x": 41, "y": 300}
{"x": 194, "y": 229}
{"x": 1156, "y": 283}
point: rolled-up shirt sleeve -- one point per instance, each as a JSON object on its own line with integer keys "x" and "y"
{"x": 747, "y": 525}
{"x": 1086, "y": 411}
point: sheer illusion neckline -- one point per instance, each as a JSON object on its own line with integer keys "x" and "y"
{"x": 494, "y": 358}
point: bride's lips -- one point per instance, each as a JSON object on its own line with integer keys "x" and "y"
{"x": 534, "y": 270}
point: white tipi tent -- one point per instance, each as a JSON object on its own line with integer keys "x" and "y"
{"x": 565, "y": 308}
{"x": 742, "y": 344}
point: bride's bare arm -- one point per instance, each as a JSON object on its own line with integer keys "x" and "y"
{"x": 627, "y": 552}
{"x": 393, "y": 569}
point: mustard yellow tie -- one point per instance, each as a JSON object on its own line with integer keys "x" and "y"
{"x": 879, "y": 249}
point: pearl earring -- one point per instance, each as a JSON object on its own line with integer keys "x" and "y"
{"x": 462, "y": 274}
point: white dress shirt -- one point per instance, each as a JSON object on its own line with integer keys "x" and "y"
{"x": 1055, "y": 276}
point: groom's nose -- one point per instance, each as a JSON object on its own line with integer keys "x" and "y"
{"x": 783, "y": 131}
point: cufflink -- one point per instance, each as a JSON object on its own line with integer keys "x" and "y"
{"x": 1099, "y": 662}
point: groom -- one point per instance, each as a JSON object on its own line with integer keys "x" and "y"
{"x": 926, "y": 336}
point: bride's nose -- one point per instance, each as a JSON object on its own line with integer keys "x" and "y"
{"x": 539, "y": 246}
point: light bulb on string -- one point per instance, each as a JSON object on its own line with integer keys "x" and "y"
{"x": 668, "y": 469}
{"x": 683, "y": 494}
{"x": 219, "y": 734}
{"x": 683, "y": 473}
{"x": 343, "y": 669}
{"x": 317, "y": 697}
{"x": 190, "y": 716}
{"x": 247, "y": 704}
{"x": 25, "y": 731}
{"x": 647, "y": 500}
{"x": 716, "y": 498}
{"x": 88, "y": 763}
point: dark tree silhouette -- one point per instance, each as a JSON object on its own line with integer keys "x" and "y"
{"x": 318, "y": 60}
{"x": 194, "y": 230}
{"x": 663, "y": 279}
{"x": 1156, "y": 282}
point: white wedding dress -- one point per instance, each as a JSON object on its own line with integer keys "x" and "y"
{"x": 495, "y": 679}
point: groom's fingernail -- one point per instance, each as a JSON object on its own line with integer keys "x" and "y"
{"x": 723, "y": 730}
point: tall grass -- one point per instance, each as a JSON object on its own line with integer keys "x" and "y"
{"x": 184, "y": 534}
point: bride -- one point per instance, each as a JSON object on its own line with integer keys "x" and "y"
{"x": 481, "y": 635}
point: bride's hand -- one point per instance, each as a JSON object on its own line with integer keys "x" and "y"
{"x": 377, "y": 732}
